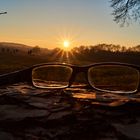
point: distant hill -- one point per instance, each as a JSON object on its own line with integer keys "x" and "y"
{"x": 15, "y": 46}
{"x": 22, "y": 49}
{"x": 19, "y": 46}
{"x": 15, "y": 56}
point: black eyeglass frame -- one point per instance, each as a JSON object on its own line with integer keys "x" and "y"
{"x": 25, "y": 75}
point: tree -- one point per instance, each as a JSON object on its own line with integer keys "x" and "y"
{"x": 1, "y": 13}
{"x": 34, "y": 50}
{"x": 125, "y": 10}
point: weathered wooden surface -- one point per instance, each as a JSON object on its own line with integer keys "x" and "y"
{"x": 27, "y": 113}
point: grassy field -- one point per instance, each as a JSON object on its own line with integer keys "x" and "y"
{"x": 9, "y": 63}
{"x": 16, "y": 56}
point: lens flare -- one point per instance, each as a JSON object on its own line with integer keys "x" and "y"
{"x": 66, "y": 43}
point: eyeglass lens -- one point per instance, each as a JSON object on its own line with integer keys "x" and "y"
{"x": 114, "y": 78}
{"x": 51, "y": 76}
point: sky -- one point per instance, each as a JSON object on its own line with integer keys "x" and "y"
{"x": 47, "y": 23}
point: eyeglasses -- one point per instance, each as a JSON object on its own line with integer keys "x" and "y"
{"x": 106, "y": 77}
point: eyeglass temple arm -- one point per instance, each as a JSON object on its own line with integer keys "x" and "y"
{"x": 139, "y": 86}
{"x": 16, "y": 77}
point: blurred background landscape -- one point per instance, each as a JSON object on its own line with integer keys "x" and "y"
{"x": 76, "y": 32}
{"x": 15, "y": 56}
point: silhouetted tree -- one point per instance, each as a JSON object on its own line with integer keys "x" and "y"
{"x": 3, "y": 50}
{"x": 1, "y": 13}
{"x": 136, "y": 48}
{"x": 125, "y": 10}
{"x": 8, "y": 50}
{"x": 15, "y": 51}
{"x": 34, "y": 50}
{"x": 29, "y": 52}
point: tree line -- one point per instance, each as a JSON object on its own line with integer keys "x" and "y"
{"x": 100, "y": 53}
{"x": 96, "y": 53}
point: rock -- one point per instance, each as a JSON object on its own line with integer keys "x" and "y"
{"x": 6, "y": 136}
{"x": 18, "y": 113}
{"x": 130, "y": 130}
{"x": 74, "y": 113}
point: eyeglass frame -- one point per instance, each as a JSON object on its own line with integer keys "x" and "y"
{"x": 25, "y": 75}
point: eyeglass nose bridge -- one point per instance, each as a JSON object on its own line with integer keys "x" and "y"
{"x": 75, "y": 72}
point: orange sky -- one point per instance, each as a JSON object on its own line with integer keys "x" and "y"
{"x": 48, "y": 22}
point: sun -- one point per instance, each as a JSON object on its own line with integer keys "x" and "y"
{"x": 66, "y": 44}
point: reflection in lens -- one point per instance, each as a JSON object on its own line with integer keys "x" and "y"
{"x": 51, "y": 76}
{"x": 114, "y": 78}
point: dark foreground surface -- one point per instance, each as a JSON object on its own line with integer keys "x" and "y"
{"x": 27, "y": 113}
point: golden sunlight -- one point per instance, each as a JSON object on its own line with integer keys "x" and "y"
{"x": 66, "y": 44}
